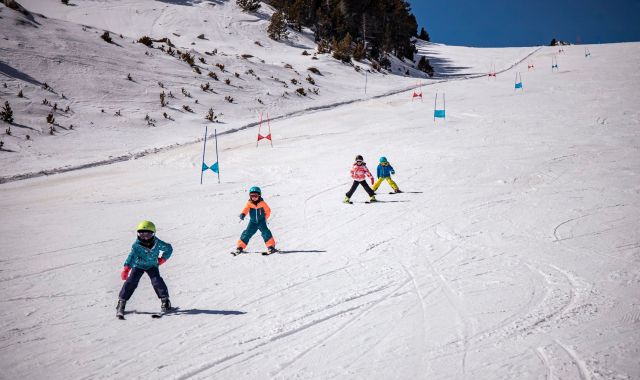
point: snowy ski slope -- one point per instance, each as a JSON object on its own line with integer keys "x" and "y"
{"x": 65, "y": 51}
{"x": 513, "y": 253}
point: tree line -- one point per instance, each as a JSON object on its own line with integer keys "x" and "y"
{"x": 351, "y": 28}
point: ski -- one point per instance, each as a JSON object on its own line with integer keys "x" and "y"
{"x": 162, "y": 313}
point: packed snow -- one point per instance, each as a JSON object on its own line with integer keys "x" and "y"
{"x": 514, "y": 251}
{"x": 107, "y": 111}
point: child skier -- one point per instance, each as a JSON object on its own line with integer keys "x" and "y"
{"x": 259, "y": 212}
{"x": 147, "y": 253}
{"x": 359, "y": 172}
{"x": 384, "y": 171}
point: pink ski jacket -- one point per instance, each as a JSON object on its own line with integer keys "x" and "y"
{"x": 360, "y": 172}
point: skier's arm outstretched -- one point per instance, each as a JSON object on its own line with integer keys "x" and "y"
{"x": 245, "y": 211}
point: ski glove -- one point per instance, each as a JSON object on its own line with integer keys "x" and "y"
{"x": 241, "y": 216}
{"x": 161, "y": 260}
{"x": 393, "y": 172}
{"x": 125, "y": 273}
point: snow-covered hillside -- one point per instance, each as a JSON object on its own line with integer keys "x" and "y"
{"x": 107, "y": 111}
{"x": 513, "y": 253}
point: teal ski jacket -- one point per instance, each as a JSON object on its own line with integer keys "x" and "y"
{"x": 146, "y": 258}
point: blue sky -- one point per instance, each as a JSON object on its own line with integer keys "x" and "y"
{"x": 501, "y": 23}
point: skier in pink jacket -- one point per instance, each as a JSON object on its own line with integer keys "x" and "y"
{"x": 359, "y": 173}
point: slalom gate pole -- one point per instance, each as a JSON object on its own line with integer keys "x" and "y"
{"x": 269, "y": 125}
{"x": 365, "y": 82}
{"x": 259, "y": 128}
{"x": 215, "y": 133}
{"x": 444, "y": 105}
{"x": 204, "y": 148}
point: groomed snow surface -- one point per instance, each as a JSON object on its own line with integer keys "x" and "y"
{"x": 514, "y": 252}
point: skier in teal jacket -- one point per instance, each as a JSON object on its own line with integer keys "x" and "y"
{"x": 147, "y": 254}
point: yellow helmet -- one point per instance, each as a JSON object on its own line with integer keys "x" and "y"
{"x": 146, "y": 225}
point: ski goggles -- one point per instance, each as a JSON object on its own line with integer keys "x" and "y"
{"x": 254, "y": 195}
{"x": 145, "y": 235}
{"x": 359, "y": 162}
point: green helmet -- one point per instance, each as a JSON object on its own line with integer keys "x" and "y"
{"x": 146, "y": 225}
{"x": 255, "y": 189}
{"x": 383, "y": 159}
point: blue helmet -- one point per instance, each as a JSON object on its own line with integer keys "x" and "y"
{"x": 383, "y": 159}
{"x": 255, "y": 189}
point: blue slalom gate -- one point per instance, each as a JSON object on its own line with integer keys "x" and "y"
{"x": 439, "y": 113}
{"x": 215, "y": 167}
{"x": 518, "y": 82}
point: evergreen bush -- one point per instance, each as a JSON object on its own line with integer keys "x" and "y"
{"x": 7, "y": 113}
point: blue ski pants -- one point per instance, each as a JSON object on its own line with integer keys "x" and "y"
{"x": 132, "y": 281}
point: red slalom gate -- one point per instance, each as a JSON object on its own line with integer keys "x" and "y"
{"x": 267, "y": 136}
{"x": 492, "y": 72}
{"x": 417, "y": 94}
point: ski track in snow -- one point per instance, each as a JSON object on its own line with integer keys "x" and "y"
{"x": 543, "y": 358}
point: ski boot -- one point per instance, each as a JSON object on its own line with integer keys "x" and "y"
{"x": 346, "y": 200}
{"x": 120, "y": 308}
{"x": 165, "y": 305}
{"x": 373, "y": 199}
{"x": 397, "y": 191}
{"x": 238, "y": 251}
{"x": 270, "y": 250}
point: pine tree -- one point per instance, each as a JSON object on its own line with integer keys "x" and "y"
{"x": 277, "y": 29}
{"x": 249, "y": 5}
{"x": 342, "y": 49}
{"x": 7, "y": 113}
{"x": 296, "y": 13}
{"x": 359, "y": 51}
{"x": 425, "y": 66}
{"x": 424, "y": 35}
